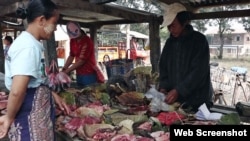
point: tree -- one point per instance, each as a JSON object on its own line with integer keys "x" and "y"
{"x": 164, "y": 34}
{"x": 246, "y": 23}
{"x": 200, "y": 25}
{"x": 144, "y": 5}
{"x": 245, "y": 20}
{"x": 223, "y": 26}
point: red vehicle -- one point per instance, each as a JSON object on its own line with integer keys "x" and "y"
{"x": 117, "y": 49}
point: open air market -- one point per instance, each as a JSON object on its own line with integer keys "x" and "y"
{"x": 123, "y": 70}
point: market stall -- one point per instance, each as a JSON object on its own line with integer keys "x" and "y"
{"x": 115, "y": 111}
{"x": 120, "y": 109}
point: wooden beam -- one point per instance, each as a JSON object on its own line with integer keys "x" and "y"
{"x": 221, "y": 3}
{"x": 101, "y": 1}
{"x": 7, "y": 2}
{"x": 105, "y": 9}
{"x": 207, "y": 3}
{"x": 222, "y": 14}
{"x": 4, "y": 27}
{"x": 113, "y": 22}
{"x": 194, "y": 6}
{"x": 10, "y": 9}
{"x": 169, "y": 1}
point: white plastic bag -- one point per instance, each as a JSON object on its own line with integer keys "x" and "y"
{"x": 157, "y": 100}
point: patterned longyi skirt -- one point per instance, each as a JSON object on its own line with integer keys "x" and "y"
{"x": 35, "y": 119}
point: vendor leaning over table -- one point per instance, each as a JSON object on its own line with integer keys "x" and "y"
{"x": 82, "y": 51}
{"x": 184, "y": 62}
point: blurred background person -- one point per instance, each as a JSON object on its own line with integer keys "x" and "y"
{"x": 7, "y": 42}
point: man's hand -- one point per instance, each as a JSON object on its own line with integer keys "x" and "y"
{"x": 171, "y": 96}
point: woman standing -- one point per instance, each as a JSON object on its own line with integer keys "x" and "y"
{"x": 30, "y": 110}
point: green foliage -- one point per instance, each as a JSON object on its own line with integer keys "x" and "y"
{"x": 246, "y": 23}
{"x": 105, "y": 98}
{"x": 230, "y": 119}
{"x": 164, "y": 34}
{"x": 118, "y": 117}
{"x": 145, "y": 5}
{"x": 68, "y": 97}
{"x": 141, "y": 27}
{"x": 200, "y": 25}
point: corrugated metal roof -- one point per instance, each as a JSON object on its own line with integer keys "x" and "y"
{"x": 195, "y": 5}
{"x": 205, "y": 3}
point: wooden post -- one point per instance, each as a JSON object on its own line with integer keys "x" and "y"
{"x": 154, "y": 42}
{"x": 237, "y": 52}
{"x": 1, "y": 52}
{"x": 15, "y": 33}
{"x": 93, "y": 35}
{"x": 50, "y": 50}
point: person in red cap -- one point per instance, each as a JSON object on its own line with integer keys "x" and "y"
{"x": 184, "y": 62}
{"x": 82, "y": 51}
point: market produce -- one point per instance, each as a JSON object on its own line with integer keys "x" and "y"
{"x": 126, "y": 116}
{"x": 142, "y": 77}
{"x": 3, "y": 104}
{"x": 230, "y": 119}
{"x": 3, "y": 100}
{"x": 3, "y": 96}
{"x": 169, "y": 118}
{"x": 117, "y": 85}
{"x": 132, "y": 98}
{"x": 129, "y": 137}
{"x": 100, "y": 131}
{"x": 57, "y": 81}
{"x": 161, "y": 136}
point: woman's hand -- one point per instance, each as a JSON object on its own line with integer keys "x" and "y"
{"x": 61, "y": 103}
{"x": 171, "y": 96}
{"x": 5, "y": 123}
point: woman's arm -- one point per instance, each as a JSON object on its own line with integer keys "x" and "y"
{"x": 61, "y": 103}
{"x": 17, "y": 94}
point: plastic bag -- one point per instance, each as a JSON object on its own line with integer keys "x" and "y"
{"x": 157, "y": 100}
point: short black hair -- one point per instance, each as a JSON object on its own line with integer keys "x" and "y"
{"x": 35, "y": 9}
{"x": 9, "y": 38}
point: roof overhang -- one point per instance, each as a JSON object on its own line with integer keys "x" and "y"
{"x": 86, "y": 13}
{"x": 195, "y": 5}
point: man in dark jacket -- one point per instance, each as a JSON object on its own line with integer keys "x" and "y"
{"x": 184, "y": 63}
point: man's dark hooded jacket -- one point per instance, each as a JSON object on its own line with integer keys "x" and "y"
{"x": 184, "y": 66}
